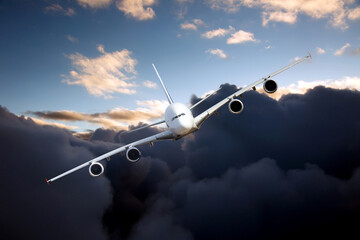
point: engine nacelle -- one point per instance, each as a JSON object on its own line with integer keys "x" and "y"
{"x": 96, "y": 169}
{"x": 133, "y": 154}
{"x": 270, "y": 86}
{"x": 236, "y": 106}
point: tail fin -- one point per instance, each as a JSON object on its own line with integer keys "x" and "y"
{"x": 162, "y": 84}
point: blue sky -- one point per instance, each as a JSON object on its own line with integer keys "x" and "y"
{"x": 87, "y": 63}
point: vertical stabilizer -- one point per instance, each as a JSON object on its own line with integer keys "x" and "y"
{"x": 162, "y": 84}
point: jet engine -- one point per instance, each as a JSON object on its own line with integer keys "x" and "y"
{"x": 270, "y": 86}
{"x": 236, "y": 106}
{"x": 133, "y": 154}
{"x": 96, "y": 169}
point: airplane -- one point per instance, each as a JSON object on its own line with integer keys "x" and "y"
{"x": 179, "y": 121}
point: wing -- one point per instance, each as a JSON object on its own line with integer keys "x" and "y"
{"x": 207, "y": 113}
{"x": 157, "y": 137}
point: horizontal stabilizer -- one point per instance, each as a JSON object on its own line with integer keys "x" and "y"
{"x": 150, "y": 125}
{"x": 209, "y": 95}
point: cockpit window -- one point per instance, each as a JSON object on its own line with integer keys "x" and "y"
{"x": 181, "y": 114}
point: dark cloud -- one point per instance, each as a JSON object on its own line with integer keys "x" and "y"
{"x": 281, "y": 169}
{"x": 286, "y": 169}
{"x": 30, "y": 209}
{"x": 321, "y": 127}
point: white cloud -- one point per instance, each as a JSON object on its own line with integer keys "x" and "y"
{"x": 149, "y": 84}
{"x": 94, "y": 3}
{"x": 286, "y": 11}
{"x": 320, "y": 51}
{"x": 57, "y": 8}
{"x": 278, "y": 16}
{"x": 295, "y": 59}
{"x": 220, "y": 32}
{"x": 100, "y": 48}
{"x": 241, "y": 37}
{"x": 341, "y": 51}
{"x": 192, "y": 25}
{"x": 301, "y": 87}
{"x": 268, "y": 47}
{"x": 217, "y": 52}
{"x": 354, "y": 14}
{"x": 188, "y": 26}
{"x": 110, "y": 73}
{"x": 71, "y": 38}
{"x": 198, "y": 22}
{"x": 138, "y": 9}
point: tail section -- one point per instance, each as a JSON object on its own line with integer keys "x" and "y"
{"x": 162, "y": 84}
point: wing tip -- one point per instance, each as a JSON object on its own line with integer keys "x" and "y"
{"x": 309, "y": 55}
{"x": 48, "y": 181}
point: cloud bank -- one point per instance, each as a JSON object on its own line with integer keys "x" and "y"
{"x": 117, "y": 118}
{"x": 280, "y": 169}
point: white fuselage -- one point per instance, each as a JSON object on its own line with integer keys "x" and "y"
{"x": 179, "y": 119}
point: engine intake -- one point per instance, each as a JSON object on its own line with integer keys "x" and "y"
{"x": 96, "y": 169}
{"x": 270, "y": 86}
{"x": 236, "y": 106}
{"x": 133, "y": 154}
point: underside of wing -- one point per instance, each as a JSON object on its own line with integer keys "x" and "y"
{"x": 132, "y": 154}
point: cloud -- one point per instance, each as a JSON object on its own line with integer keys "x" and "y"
{"x": 217, "y": 52}
{"x": 54, "y": 124}
{"x": 188, "y": 26}
{"x": 347, "y": 49}
{"x": 149, "y": 84}
{"x": 220, "y": 32}
{"x": 117, "y": 118}
{"x": 286, "y": 11}
{"x": 192, "y": 25}
{"x": 71, "y": 38}
{"x": 320, "y": 51}
{"x": 279, "y": 172}
{"x": 230, "y": 6}
{"x": 138, "y": 9}
{"x": 279, "y": 16}
{"x": 354, "y": 14}
{"x": 341, "y": 51}
{"x": 230, "y": 179}
{"x": 105, "y": 75}
{"x": 57, "y": 8}
{"x": 241, "y": 37}
{"x": 295, "y": 59}
{"x": 101, "y": 48}
{"x": 301, "y": 87}
{"x": 94, "y": 3}
{"x": 32, "y": 152}
{"x": 183, "y": 7}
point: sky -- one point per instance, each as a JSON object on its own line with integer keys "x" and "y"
{"x": 86, "y": 64}
{"x": 287, "y": 167}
